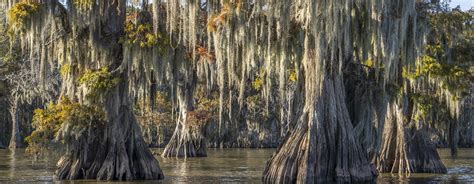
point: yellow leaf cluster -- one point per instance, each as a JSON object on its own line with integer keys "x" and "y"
{"x": 143, "y": 36}
{"x": 98, "y": 82}
{"x": 293, "y": 76}
{"x": 257, "y": 83}
{"x": 48, "y": 121}
{"x": 21, "y": 12}
{"x": 65, "y": 69}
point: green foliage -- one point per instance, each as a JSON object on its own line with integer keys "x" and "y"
{"x": 49, "y": 122}
{"x": 449, "y": 53}
{"x": 447, "y": 25}
{"x": 371, "y": 64}
{"x": 98, "y": 82}
{"x": 448, "y": 56}
{"x": 142, "y": 35}
{"x": 445, "y": 65}
{"x": 210, "y": 104}
{"x": 21, "y": 12}
{"x": 4, "y": 42}
{"x": 9, "y": 63}
{"x": 9, "y": 58}
{"x": 424, "y": 104}
{"x": 452, "y": 76}
{"x": 428, "y": 66}
{"x": 430, "y": 110}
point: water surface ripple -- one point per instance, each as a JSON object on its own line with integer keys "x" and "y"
{"x": 221, "y": 166}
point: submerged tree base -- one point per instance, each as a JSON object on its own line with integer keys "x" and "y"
{"x": 406, "y": 150}
{"x": 114, "y": 150}
{"x": 185, "y": 144}
{"x": 122, "y": 156}
{"x": 322, "y": 147}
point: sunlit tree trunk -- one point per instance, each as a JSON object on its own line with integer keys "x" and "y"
{"x": 187, "y": 140}
{"x": 15, "y": 140}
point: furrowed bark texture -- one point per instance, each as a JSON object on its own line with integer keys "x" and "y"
{"x": 114, "y": 152}
{"x": 322, "y": 146}
{"x": 406, "y": 149}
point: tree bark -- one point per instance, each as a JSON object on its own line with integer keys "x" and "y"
{"x": 322, "y": 146}
{"x": 453, "y": 137}
{"x": 116, "y": 150}
{"x": 15, "y": 140}
{"x": 187, "y": 139}
{"x": 185, "y": 142}
{"x": 406, "y": 149}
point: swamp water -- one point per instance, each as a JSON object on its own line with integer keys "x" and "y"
{"x": 221, "y": 166}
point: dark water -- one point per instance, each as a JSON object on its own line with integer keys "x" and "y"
{"x": 221, "y": 166}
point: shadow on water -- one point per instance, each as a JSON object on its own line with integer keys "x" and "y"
{"x": 221, "y": 166}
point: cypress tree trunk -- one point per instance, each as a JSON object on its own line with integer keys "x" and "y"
{"x": 15, "y": 140}
{"x": 187, "y": 139}
{"x": 453, "y": 137}
{"x": 322, "y": 146}
{"x": 406, "y": 149}
{"x": 115, "y": 151}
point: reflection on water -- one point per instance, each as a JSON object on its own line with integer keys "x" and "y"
{"x": 221, "y": 166}
{"x": 460, "y": 170}
{"x": 16, "y": 166}
{"x": 228, "y": 165}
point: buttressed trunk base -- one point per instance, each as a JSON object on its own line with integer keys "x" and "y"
{"x": 187, "y": 139}
{"x": 405, "y": 149}
{"x": 322, "y": 147}
{"x": 114, "y": 151}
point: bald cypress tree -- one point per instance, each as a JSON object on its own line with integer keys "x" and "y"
{"x": 335, "y": 74}
{"x": 94, "y": 115}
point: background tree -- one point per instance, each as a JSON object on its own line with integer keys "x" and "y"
{"x": 427, "y": 84}
{"x": 25, "y": 90}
